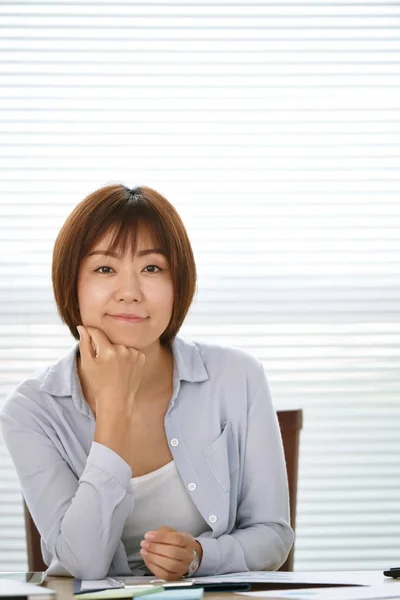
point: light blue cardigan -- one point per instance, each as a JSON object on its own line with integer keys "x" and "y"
{"x": 225, "y": 439}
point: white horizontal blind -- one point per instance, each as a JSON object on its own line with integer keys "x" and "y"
{"x": 275, "y": 130}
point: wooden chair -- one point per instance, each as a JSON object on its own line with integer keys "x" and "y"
{"x": 290, "y": 422}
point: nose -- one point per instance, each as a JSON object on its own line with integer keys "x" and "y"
{"x": 129, "y": 288}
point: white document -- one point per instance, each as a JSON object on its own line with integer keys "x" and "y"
{"x": 362, "y": 578}
{"x": 109, "y": 583}
{"x": 356, "y": 578}
{"x": 96, "y": 584}
{"x": 10, "y": 588}
{"x": 338, "y": 593}
{"x": 271, "y": 577}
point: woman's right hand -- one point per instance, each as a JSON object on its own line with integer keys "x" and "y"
{"x": 112, "y": 372}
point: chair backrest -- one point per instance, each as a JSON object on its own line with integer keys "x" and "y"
{"x": 35, "y": 560}
{"x": 290, "y": 423}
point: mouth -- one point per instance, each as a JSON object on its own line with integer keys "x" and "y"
{"x": 127, "y": 319}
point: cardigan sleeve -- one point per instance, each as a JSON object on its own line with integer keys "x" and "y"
{"x": 80, "y": 520}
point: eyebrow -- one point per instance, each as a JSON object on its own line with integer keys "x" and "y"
{"x": 115, "y": 255}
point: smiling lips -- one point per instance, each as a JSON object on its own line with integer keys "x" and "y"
{"x": 128, "y": 318}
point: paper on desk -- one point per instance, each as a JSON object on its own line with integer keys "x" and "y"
{"x": 344, "y": 593}
{"x": 188, "y": 594}
{"x": 263, "y": 577}
{"x": 10, "y": 588}
{"x": 157, "y": 593}
{"x": 293, "y": 578}
{"x": 96, "y": 585}
{"x": 120, "y": 592}
{"x": 86, "y": 585}
{"x": 267, "y": 577}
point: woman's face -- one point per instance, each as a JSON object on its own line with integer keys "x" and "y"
{"x": 125, "y": 285}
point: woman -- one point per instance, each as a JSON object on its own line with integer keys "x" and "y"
{"x": 139, "y": 452}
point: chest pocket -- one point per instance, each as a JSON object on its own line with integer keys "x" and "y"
{"x": 222, "y": 457}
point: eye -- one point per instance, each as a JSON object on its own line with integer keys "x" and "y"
{"x": 153, "y": 267}
{"x": 102, "y": 272}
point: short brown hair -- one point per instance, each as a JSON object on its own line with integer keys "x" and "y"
{"x": 119, "y": 208}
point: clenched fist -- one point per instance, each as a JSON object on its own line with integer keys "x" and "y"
{"x": 168, "y": 553}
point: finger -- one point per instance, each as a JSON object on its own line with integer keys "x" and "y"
{"x": 154, "y": 567}
{"x": 174, "y": 538}
{"x": 160, "y": 573}
{"x": 85, "y": 344}
{"x": 162, "y": 567}
{"x": 100, "y": 341}
{"x": 166, "y": 550}
{"x": 165, "y": 528}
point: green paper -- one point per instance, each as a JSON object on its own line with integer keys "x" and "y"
{"x": 182, "y": 594}
{"x": 139, "y": 590}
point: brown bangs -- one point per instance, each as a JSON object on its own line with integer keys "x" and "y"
{"x": 123, "y": 221}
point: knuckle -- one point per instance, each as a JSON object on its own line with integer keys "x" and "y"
{"x": 138, "y": 356}
{"x": 121, "y": 349}
{"x": 108, "y": 354}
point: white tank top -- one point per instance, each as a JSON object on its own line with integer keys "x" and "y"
{"x": 160, "y": 499}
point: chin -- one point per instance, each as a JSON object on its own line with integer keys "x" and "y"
{"x": 135, "y": 341}
{"x": 140, "y": 342}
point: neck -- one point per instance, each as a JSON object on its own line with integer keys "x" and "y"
{"x": 157, "y": 370}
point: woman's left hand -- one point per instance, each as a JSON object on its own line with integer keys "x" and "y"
{"x": 168, "y": 553}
